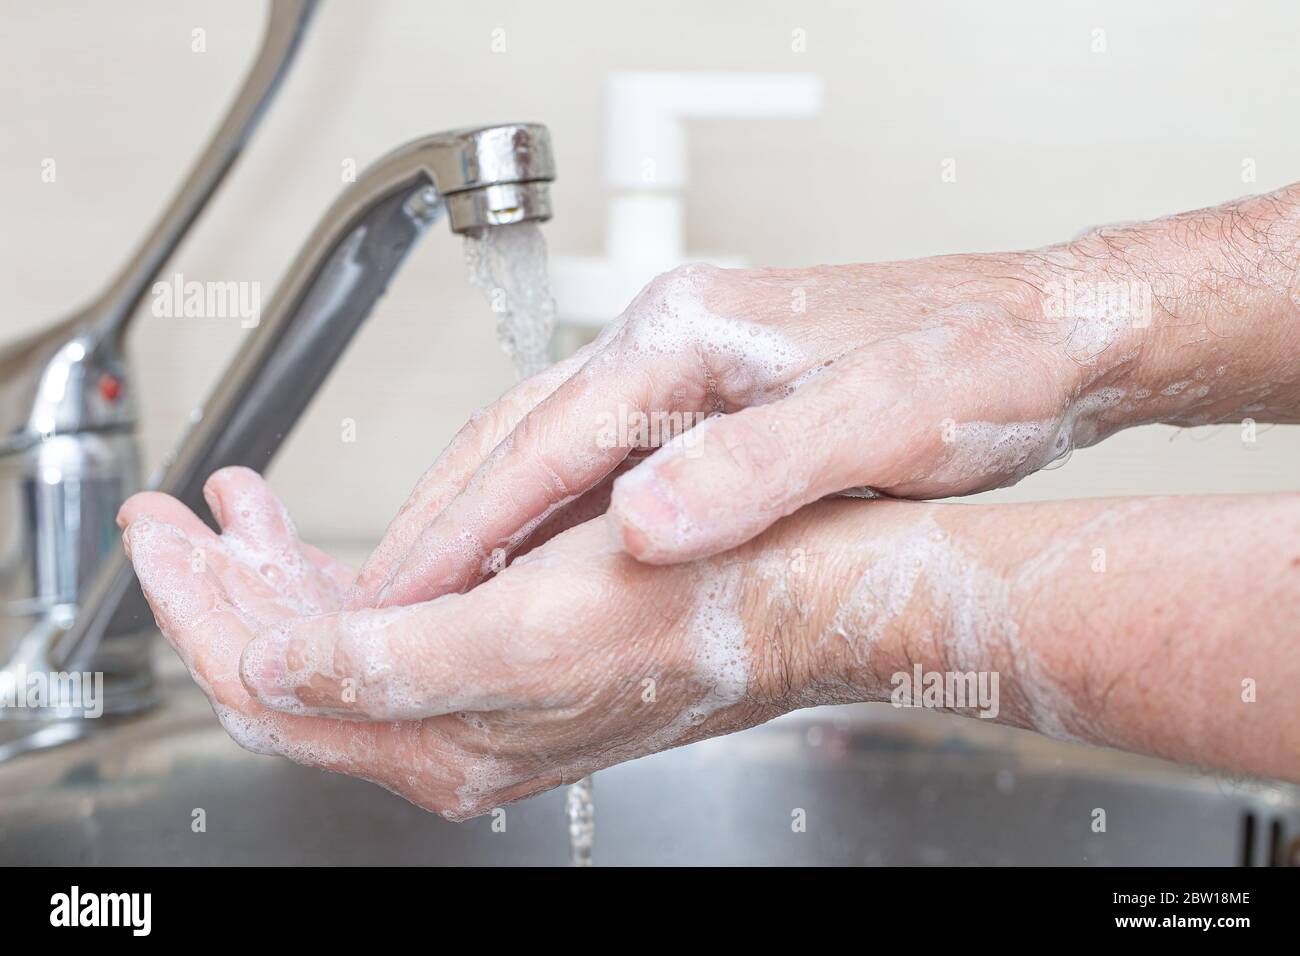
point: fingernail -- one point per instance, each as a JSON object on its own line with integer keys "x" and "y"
{"x": 646, "y": 515}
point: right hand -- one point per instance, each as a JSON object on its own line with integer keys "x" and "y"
{"x": 919, "y": 379}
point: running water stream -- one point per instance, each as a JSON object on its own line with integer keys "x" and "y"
{"x": 508, "y": 264}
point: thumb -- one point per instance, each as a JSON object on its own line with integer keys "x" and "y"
{"x": 729, "y": 478}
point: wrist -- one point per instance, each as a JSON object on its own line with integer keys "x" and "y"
{"x": 1192, "y": 319}
{"x": 810, "y": 633}
{"x": 961, "y": 607}
{"x": 888, "y": 587}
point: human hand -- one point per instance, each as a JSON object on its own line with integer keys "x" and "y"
{"x": 920, "y": 379}
{"x": 577, "y": 656}
{"x": 574, "y": 658}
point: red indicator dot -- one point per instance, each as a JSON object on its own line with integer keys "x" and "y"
{"x": 110, "y": 387}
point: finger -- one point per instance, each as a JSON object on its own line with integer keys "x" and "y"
{"x": 339, "y": 573}
{"x": 185, "y": 599}
{"x": 177, "y": 569}
{"x": 248, "y": 511}
{"x": 452, "y": 471}
{"x": 559, "y": 451}
{"x": 257, "y": 530}
{"x": 460, "y": 652}
{"x": 731, "y": 477}
{"x": 677, "y": 351}
{"x": 168, "y": 510}
{"x": 209, "y": 634}
{"x": 589, "y": 505}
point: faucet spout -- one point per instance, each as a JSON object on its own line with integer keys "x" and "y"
{"x": 481, "y": 178}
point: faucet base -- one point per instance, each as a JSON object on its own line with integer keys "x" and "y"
{"x": 120, "y": 680}
{"x": 60, "y": 496}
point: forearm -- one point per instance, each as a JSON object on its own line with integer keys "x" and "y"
{"x": 1161, "y": 625}
{"x": 1192, "y": 319}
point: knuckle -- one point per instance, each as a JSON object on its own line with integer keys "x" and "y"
{"x": 484, "y": 431}
{"x": 362, "y": 660}
{"x": 671, "y": 299}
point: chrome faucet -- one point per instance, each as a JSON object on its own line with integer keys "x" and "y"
{"x": 68, "y": 456}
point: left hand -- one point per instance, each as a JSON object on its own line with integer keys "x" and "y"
{"x": 574, "y": 658}
{"x": 577, "y": 656}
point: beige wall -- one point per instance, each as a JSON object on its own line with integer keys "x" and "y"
{"x": 1049, "y": 138}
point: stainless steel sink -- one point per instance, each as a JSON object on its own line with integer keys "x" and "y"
{"x": 876, "y": 785}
